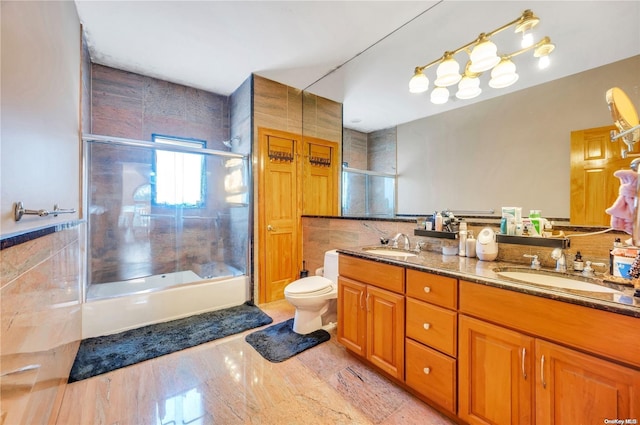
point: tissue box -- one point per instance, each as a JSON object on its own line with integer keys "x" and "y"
{"x": 621, "y": 266}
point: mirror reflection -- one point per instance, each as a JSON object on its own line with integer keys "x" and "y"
{"x": 516, "y": 145}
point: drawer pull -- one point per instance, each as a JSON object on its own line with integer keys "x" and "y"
{"x": 426, "y": 370}
{"x": 427, "y": 289}
{"x": 524, "y": 354}
{"x": 426, "y": 326}
{"x": 544, "y": 383}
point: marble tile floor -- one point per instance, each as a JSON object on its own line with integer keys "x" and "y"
{"x": 228, "y": 382}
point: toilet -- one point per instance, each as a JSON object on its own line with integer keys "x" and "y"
{"x": 315, "y": 297}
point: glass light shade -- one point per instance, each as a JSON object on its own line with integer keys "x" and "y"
{"x": 419, "y": 83}
{"x": 503, "y": 75}
{"x": 448, "y": 73}
{"x": 439, "y": 95}
{"x": 544, "y": 62}
{"x": 483, "y": 57}
{"x": 468, "y": 88}
{"x": 527, "y": 40}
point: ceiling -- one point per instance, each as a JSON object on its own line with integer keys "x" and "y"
{"x": 361, "y": 53}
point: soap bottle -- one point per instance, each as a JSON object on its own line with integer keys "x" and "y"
{"x": 462, "y": 236}
{"x": 471, "y": 245}
{"x": 578, "y": 264}
{"x": 438, "y": 222}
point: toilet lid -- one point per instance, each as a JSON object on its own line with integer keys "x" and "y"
{"x": 309, "y": 285}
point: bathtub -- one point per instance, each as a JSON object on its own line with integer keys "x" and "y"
{"x": 116, "y": 314}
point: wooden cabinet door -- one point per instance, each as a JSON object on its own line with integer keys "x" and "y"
{"x": 385, "y": 330}
{"x": 495, "y": 382}
{"x": 352, "y": 316}
{"x": 575, "y": 388}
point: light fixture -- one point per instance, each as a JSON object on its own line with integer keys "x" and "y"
{"x": 440, "y": 95}
{"x": 504, "y": 74}
{"x": 468, "y": 88}
{"x": 419, "y": 83}
{"x": 448, "y": 71}
{"x": 483, "y": 56}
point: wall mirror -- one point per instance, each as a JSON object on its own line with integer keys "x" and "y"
{"x": 508, "y": 146}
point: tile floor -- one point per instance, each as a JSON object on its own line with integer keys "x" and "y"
{"x": 228, "y": 382}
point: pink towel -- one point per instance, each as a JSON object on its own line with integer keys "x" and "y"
{"x": 622, "y": 210}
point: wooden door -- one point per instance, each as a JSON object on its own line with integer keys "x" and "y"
{"x": 320, "y": 177}
{"x": 279, "y": 213}
{"x": 594, "y": 158}
{"x": 495, "y": 382}
{"x": 352, "y": 316}
{"x": 385, "y": 330}
{"x": 575, "y": 388}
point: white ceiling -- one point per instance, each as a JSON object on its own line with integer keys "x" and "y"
{"x": 216, "y": 45}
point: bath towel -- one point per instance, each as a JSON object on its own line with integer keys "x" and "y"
{"x": 623, "y": 209}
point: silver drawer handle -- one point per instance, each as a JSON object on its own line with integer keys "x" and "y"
{"x": 21, "y": 370}
{"x": 426, "y": 326}
{"x": 427, "y": 289}
{"x": 426, "y": 370}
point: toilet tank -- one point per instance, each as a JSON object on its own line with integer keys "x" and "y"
{"x": 331, "y": 265}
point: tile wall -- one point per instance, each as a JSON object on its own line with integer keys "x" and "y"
{"x": 133, "y": 106}
{"x": 41, "y": 323}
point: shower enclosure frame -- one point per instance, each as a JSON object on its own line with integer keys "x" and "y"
{"x": 247, "y": 203}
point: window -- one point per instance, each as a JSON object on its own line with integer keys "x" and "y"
{"x": 178, "y": 177}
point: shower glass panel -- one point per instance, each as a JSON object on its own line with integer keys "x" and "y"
{"x": 136, "y": 244}
{"x": 368, "y": 193}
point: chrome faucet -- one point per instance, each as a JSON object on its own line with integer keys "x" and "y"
{"x": 561, "y": 261}
{"x": 407, "y": 244}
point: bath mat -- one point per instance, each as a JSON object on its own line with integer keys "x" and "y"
{"x": 110, "y": 352}
{"x": 279, "y": 342}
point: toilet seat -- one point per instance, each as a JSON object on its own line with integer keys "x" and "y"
{"x": 309, "y": 286}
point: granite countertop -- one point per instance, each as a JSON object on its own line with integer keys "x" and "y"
{"x": 483, "y": 272}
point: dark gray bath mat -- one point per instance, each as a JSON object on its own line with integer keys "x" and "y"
{"x": 106, "y": 353}
{"x": 279, "y": 342}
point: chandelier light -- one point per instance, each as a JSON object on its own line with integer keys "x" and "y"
{"x": 483, "y": 56}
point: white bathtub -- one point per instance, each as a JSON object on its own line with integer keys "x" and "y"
{"x": 113, "y": 315}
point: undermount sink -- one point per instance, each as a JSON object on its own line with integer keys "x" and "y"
{"x": 391, "y": 252}
{"x": 548, "y": 279}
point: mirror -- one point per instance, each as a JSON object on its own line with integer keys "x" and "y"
{"x": 624, "y": 115}
{"x": 508, "y": 146}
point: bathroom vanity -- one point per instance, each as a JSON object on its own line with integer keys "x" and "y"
{"x": 489, "y": 350}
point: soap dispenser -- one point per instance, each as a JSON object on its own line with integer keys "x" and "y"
{"x": 470, "y": 249}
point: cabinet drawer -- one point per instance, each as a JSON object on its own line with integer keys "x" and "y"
{"x": 432, "y": 325}
{"x": 432, "y": 374}
{"x": 381, "y": 275}
{"x": 433, "y": 288}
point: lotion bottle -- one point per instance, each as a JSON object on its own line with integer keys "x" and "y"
{"x": 462, "y": 238}
{"x": 438, "y": 222}
{"x": 470, "y": 249}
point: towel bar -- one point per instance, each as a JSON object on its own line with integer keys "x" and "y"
{"x": 19, "y": 210}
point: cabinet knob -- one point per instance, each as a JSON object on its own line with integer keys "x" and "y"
{"x": 427, "y": 289}
{"x": 426, "y": 326}
{"x": 426, "y": 370}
